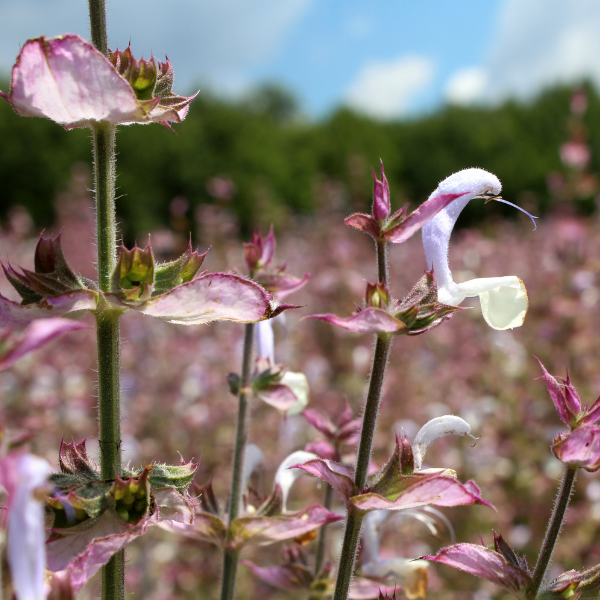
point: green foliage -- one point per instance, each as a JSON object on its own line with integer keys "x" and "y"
{"x": 275, "y": 159}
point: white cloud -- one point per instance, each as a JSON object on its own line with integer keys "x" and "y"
{"x": 466, "y": 86}
{"x": 207, "y": 41}
{"x": 542, "y": 42}
{"x": 385, "y": 89}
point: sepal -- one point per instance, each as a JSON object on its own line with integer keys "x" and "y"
{"x": 133, "y": 278}
{"x": 420, "y": 310}
{"x": 51, "y": 276}
{"x": 185, "y": 268}
{"x": 176, "y": 476}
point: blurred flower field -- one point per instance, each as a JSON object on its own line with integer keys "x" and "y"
{"x": 176, "y": 400}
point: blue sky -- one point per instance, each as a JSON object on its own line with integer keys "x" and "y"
{"x": 388, "y": 58}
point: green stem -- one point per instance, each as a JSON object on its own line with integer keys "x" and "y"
{"x": 369, "y": 424}
{"x": 354, "y": 518}
{"x": 347, "y": 558}
{"x": 322, "y": 541}
{"x": 553, "y": 531}
{"x": 106, "y": 227}
{"x": 382, "y": 262}
{"x": 97, "y": 9}
{"x": 230, "y": 558}
{"x": 108, "y": 337}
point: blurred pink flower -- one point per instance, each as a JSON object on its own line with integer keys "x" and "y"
{"x": 16, "y": 344}
{"x": 575, "y": 154}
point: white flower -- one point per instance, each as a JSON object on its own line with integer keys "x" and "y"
{"x": 21, "y": 475}
{"x": 286, "y": 476}
{"x": 503, "y": 299}
{"x": 265, "y": 341}
{"x": 435, "y": 429}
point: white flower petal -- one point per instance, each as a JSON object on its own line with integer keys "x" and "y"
{"x": 285, "y": 477}
{"x": 503, "y": 300}
{"x": 436, "y": 232}
{"x": 265, "y": 341}
{"x": 253, "y": 458}
{"x": 26, "y": 530}
{"x": 298, "y": 383}
{"x": 434, "y": 430}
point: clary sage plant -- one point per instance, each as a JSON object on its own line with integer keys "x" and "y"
{"x": 64, "y": 526}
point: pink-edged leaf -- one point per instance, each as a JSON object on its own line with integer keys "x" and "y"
{"x": 278, "y": 396}
{"x": 364, "y": 223}
{"x": 206, "y": 527}
{"x": 173, "y": 507}
{"x": 367, "y": 589}
{"x": 34, "y": 336}
{"x": 67, "y": 80}
{"x": 367, "y": 320}
{"x": 484, "y": 563}
{"x": 408, "y": 227}
{"x": 286, "y": 577}
{"x": 580, "y": 448}
{"x": 557, "y": 394}
{"x": 320, "y": 422}
{"x": 338, "y": 476}
{"x": 211, "y": 297}
{"x": 13, "y": 314}
{"x": 261, "y": 531}
{"x": 282, "y": 284}
{"x": 438, "y": 490}
{"x": 323, "y": 449}
{"x": 76, "y": 564}
{"x": 79, "y": 543}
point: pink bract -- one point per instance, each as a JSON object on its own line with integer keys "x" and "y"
{"x": 484, "y": 563}
{"x": 67, "y": 80}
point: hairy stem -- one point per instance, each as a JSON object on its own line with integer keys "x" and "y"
{"x": 107, "y": 321}
{"x": 230, "y": 558}
{"x": 97, "y": 10}
{"x": 322, "y": 541}
{"x": 369, "y": 424}
{"x": 347, "y": 559}
{"x": 382, "y": 262}
{"x": 553, "y": 531}
{"x": 354, "y": 518}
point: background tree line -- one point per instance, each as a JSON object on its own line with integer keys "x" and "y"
{"x": 261, "y": 157}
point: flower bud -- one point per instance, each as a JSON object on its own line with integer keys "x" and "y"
{"x": 377, "y": 295}
{"x": 381, "y": 196}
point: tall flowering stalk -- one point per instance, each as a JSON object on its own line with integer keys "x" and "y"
{"x": 258, "y": 254}
{"x": 504, "y": 304}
